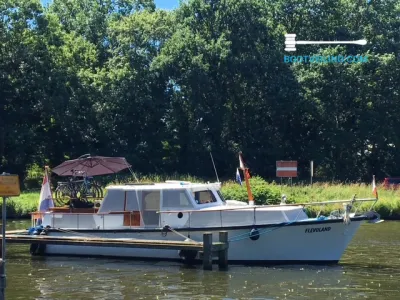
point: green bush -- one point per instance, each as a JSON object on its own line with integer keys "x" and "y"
{"x": 263, "y": 192}
{"x": 34, "y": 177}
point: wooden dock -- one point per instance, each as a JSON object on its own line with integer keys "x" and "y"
{"x": 207, "y": 248}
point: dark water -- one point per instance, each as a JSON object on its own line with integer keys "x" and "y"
{"x": 370, "y": 269}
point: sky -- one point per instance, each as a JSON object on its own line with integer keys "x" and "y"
{"x": 165, "y": 4}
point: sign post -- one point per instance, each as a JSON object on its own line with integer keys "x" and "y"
{"x": 286, "y": 169}
{"x": 9, "y": 186}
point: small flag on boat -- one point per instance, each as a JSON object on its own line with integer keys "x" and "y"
{"x": 238, "y": 179}
{"x": 241, "y": 164}
{"x": 246, "y": 177}
{"x": 45, "y": 200}
{"x": 374, "y": 189}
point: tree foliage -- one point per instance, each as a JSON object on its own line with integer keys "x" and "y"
{"x": 164, "y": 88}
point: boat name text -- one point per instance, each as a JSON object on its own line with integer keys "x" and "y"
{"x": 312, "y": 230}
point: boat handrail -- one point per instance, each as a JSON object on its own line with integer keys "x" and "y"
{"x": 83, "y": 213}
{"x": 221, "y": 208}
{"x": 335, "y": 201}
{"x": 138, "y": 183}
{"x": 273, "y": 205}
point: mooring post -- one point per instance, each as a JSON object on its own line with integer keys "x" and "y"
{"x": 223, "y": 254}
{"x": 207, "y": 251}
{"x": 2, "y": 280}
{"x": 3, "y": 253}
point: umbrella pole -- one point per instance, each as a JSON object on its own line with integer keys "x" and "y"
{"x": 130, "y": 170}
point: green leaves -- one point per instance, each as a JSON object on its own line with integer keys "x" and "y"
{"x": 164, "y": 88}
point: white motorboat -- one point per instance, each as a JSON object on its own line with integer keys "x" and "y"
{"x": 177, "y": 210}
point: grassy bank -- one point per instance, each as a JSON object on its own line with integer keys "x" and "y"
{"x": 20, "y": 207}
{"x": 388, "y": 205}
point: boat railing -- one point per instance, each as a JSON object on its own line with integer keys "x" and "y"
{"x": 133, "y": 219}
{"x": 335, "y": 202}
{"x": 225, "y": 214}
{"x": 86, "y": 220}
{"x": 255, "y": 207}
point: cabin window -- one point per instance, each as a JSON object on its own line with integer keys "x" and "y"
{"x": 203, "y": 197}
{"x": 151, "y": 200}
{"x": 132, "y": 203}
{"x": 221, "y": 196}
{"x": 176, "y": 199}
{"x": 150, "y": 208}
{"x": 113, "y": 201}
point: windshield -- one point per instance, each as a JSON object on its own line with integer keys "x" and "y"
{"x": 202, "y": 197}
{"x": 220, "y": 196}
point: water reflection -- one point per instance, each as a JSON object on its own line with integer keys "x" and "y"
{"x": 118, "y": 279}
{"x": 369, "y": 269}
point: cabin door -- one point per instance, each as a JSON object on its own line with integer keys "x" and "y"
{"x": 131, "y": 209}
{"x": 150, "y": 208}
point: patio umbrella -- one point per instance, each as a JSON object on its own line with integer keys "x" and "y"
{"x": 91, "y": 166}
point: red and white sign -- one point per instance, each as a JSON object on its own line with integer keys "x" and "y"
{"x": 286, "y": 168}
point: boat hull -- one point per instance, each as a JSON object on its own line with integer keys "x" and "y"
{"x": 298, "y": 242}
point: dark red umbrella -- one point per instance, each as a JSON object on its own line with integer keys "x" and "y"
{"x": 87, "y": 165}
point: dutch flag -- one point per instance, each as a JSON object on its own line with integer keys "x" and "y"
{"x": 238, "y": 179}
{"x": 45, "y": 200}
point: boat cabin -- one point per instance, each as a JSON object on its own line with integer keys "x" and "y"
{"x": 139, "y": 205}
{"x": 177, "y": 204}
{"x": 146, "y": 201}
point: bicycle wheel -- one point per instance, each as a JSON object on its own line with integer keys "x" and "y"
{"x": 83, "y": 193}
{"x": 75, "y": 188}
{"x": 97, "y": 191}
{"x": 94, "y": 192}
{"x": 62, "y": 194}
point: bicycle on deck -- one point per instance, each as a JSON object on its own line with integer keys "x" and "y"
{"x": 77, "y": 189}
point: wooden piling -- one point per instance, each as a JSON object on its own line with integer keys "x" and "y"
{"x": 223, "y": 254}
{"x": 207, "y": 251}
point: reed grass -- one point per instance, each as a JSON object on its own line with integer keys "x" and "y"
{"x": 388, "y": 204}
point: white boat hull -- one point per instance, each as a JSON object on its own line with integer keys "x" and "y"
{"x": 299, "y": 242}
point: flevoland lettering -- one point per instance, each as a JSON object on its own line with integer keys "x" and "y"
{"x": 321, "y": 229}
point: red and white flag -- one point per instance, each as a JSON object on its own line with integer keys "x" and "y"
{"x": 374, "y": 189}
{"x": 243, "y": 167}
{"x": 241, "y": 163}
{"x": 45, "y": 200}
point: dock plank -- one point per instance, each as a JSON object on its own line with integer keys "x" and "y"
{"x": 220, "y": 249}
{"x": 109, "y": 242}
{"x": 20, "y": 231}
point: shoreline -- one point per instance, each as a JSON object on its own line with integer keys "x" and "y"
{"x": 388, "y": 205}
